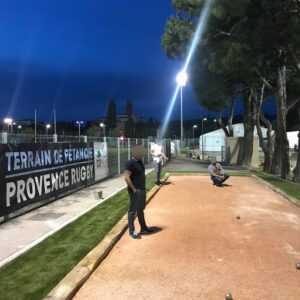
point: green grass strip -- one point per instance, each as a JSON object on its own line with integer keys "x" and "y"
{"x": 204, "y": 172}
{"x": 289, "y": 187}
{"x": 34, "y": 274}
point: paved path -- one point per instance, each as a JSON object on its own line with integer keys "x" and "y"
{"x": 23, "y": 232}
{"x": 203, "y": 250}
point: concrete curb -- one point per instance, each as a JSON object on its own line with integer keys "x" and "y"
{"x": 277, "y": 190}
{"x": 74, "y": 280}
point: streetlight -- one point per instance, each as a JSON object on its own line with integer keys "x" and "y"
{"x": 202, "y": 137}
{"x": 195, "y": 127}
{"x": 181, "y": 79}
{"x": 79, "y": 123}
{"x": 216, "y": 123}
{"x": 19, "y": 128}
{"x": 12, "y": 126}
{"x": 103, "y": 126}
{"x": 48, "y": 126}
{"x": 8, "y": 122}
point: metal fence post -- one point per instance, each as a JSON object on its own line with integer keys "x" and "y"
{"x": 119, "y": 157}
{"x": 4, "y": 137}
{"x": 129, "y": 154}
{"x": 148, "y": 149}
{"x": 54, "y": 138}
{"x": 143, "y": 144}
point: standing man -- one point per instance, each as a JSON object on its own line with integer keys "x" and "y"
{"x": 136, "y": 182}
{"x": 158, "y": 158}
{"x": 217, "y": 173}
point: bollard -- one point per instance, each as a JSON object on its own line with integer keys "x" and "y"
{"x": 100, "y": 194}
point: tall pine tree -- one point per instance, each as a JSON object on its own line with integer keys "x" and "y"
{"x": 130, "y": 125}
{"x": 111, "y": 116}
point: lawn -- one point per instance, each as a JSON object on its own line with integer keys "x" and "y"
{"x": 289, "y": 187}
{"x": 230, "y": 172}
{"x": 32, "y": 275}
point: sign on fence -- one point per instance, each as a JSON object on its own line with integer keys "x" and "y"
{"x": 30, "y": 173}
{"x": 101, "y": 161}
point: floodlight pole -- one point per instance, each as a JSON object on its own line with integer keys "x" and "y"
{"x": 202, "y": 136}
{"x": 181, "y": 115}
{"x": 54, "y": 120}
{"x": 35, "y": 125}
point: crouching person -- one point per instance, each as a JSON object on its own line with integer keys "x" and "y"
{"x": 217, "y": 173}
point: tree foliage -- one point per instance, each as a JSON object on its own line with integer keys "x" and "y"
{"x": 247, "y": 43}
{"x": 111, "y": 116}
{"x": 130, "y": 124}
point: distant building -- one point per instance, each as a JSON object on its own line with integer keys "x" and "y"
{"x": 293, "y": 139}
{"x": 122, "y": 119}
{"x": 216, "y": 140}
{"x": 25, "y": 122}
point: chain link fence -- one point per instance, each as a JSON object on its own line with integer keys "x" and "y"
{"x": 119, "y": 150}
{"x": 201, "y": 149}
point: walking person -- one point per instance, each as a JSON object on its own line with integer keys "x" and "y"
{"x": 136, "y": 182}
{"x": 158, "y": 159}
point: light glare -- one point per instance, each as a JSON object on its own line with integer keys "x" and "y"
{"x": 182, "y": 78}
{"x": 8, "y": 121}
{"x": 195, "y": 41}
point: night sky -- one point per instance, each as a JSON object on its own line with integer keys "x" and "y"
{"x": 74, "y": 55}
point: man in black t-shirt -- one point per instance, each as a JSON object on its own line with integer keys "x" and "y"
{"x": 136, "y": 182}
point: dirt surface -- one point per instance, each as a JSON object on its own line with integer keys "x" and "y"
{"x": 204, "y": 250}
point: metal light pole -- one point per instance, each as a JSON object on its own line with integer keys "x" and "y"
{"x": 48, "y": 126}
{"x": 54, "y": 120}
{"x": 181, "y": 114}
{"x": 35, "y": 125}
{"x": 79, "y": 123}
{"x": 12, "y": 126}
{"x": 194, "y": 128}
{"x": 202, "y": 137}
{"x": 182, "y": 78}
{"x": 8, "y": 122}
{"x": 103, "y": 126}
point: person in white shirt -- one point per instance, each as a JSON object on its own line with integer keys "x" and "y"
{"x": 158, "y": 159}
{"x": 217, "y": 173}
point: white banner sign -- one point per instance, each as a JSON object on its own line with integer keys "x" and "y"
{"x": 101, "y": 161}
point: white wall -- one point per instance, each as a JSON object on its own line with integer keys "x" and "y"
{"x": 215, "y": 140}
{"x": 293, "y": 138}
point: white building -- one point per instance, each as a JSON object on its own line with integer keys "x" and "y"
{"x": 293, "y": 139}
{"x": 215, "y": 140}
